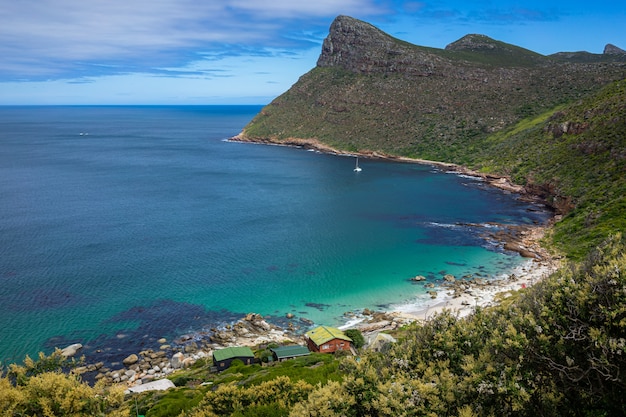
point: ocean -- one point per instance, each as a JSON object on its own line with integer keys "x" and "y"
{"x": 124, "y": 224}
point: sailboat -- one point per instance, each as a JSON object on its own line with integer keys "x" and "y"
{"x": 357, "y": 168}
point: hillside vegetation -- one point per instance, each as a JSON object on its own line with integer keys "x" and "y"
{"x": 553, "y": 124}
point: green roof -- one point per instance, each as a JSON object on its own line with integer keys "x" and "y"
{"x": 290, "y": 351}
{"x": 323, "y": 334}
{"x": 232, "y": 352}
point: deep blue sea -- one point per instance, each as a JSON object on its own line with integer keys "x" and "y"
{"x": 127, "y": 224}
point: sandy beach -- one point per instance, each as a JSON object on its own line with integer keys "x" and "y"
{"x": 482, "y": 295}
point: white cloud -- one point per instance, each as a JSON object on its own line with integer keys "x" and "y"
{"x": 57, "y": 35}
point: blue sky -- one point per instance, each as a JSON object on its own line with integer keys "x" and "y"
{"x": 247, "y": 51}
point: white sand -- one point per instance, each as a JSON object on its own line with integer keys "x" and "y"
{"x": 483, "y": 295}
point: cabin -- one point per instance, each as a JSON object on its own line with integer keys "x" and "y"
{"x": 327, "y": 339}
{"x": 222, "y": 358}
{"x": 283, "y": 353}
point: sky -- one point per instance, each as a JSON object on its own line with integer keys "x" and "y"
{"x": 193, "y": 52}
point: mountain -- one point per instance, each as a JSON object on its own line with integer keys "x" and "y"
{"x": 371, "y": 92}
{"x": 376, "y": 95}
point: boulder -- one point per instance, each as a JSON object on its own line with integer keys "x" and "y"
{"x": 449, "y": 278}
{"x": 71, "y": 350}
{"x": 177, "y": 360}
{"x": 130, "y": 360}
{"x": 418, "y": 278}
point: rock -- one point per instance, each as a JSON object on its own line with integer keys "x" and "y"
{"x": 418, "y": 278}
{"x": 130, "y": 359}
{"x": 349, "y": 46}
{"x": 371, "y": 327}
{"x": 160, "y": 385}
{"x": 191, "y": 347}
{"x": 610, "y": 49}
{"x": 527, "y": 253}
{"x": 433, "y": 294}
{"x": 290, "y": 315}
{"x": 162, "y": 341}
{"x": 449, "y": 278}
{"x": 71, "y": 350}
{"x": 367, "y": 312}
{"x": 177, "y": 360}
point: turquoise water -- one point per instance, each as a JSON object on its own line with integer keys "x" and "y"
{"x": 145, "y": 221}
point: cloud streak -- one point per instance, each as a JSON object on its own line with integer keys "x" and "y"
{"x": 50, "y": 38}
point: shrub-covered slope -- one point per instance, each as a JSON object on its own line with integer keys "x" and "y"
{"x": 545, "y": 121}
{"x": 372, "y": 92}
{"x": 575, "y": 156}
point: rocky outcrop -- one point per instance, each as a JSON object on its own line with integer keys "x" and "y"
{"x": 613, "y": 50}
{"x": 249, "y": 331}
{"x": 361, "y": 48}
{"x": 150, "y": 364}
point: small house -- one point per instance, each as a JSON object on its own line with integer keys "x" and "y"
{"x": 222, "y": 358}
{"x": 289, "y": 352}
{"x": 327, "y": 339}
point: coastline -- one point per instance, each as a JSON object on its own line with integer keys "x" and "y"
{"x": 497, "y": 181}
{"x": 461, "y": 296}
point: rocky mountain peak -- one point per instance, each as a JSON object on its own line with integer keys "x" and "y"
{"x": 362, "y": 48}
{"x": 613, "y": 50}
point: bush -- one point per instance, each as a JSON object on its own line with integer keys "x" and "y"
{"x": 357, "y": 337}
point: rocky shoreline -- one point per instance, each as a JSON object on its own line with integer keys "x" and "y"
{"x": 459, "y": 295}
{"x": 169, "y": 356}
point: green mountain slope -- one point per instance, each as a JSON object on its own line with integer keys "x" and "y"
{"x": 479, "y": 103}
{"x": 576, "y": 158}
